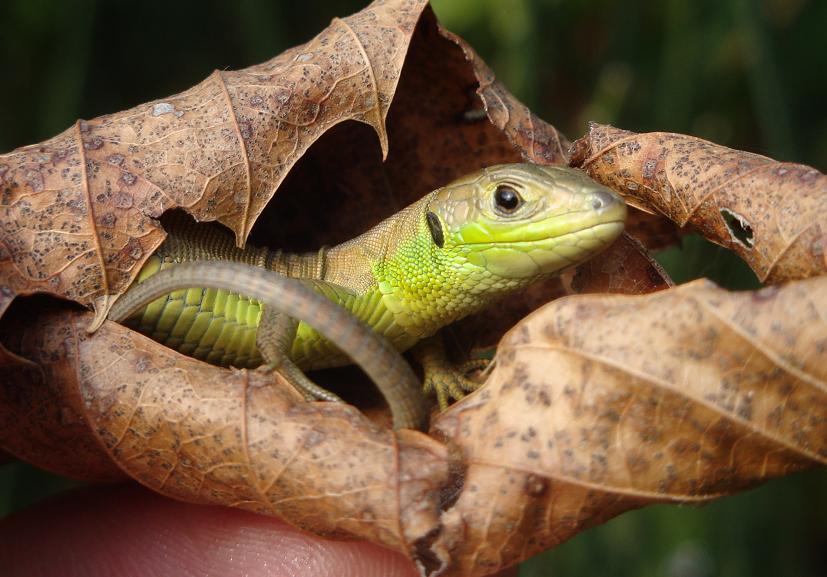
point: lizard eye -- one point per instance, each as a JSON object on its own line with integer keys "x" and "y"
{"x": 507, "y": 199}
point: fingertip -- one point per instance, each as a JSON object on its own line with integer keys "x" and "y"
{"x": 128, "y": 531}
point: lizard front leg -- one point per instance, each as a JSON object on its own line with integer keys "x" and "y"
{"x": 275, "y": 336}
{"x": 440, "y": 376}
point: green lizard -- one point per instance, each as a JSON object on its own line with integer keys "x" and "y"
{"x": 443, "y": 257}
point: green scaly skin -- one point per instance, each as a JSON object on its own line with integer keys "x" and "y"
{"x": 400, "y": 277}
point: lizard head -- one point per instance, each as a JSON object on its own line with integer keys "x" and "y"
{"x": 517, "y": 222}
{"x": 487, "y": 234}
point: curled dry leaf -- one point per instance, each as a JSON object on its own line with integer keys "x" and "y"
{"x": 538, "y": 141}
{"x": 77, "y": 209}
{"x": 78, "y": 221}
{"x": 770, "y": 213}
{"x": 654, "y": 231}
{"x": 597, "y": 405}
{"x": 202, "y": 434}
{"x": 624, "y": 268}
{"x": 41, "y": 410}
{"x": 601, "y": 404}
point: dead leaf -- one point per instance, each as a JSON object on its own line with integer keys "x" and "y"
{"x": 203, "y": 434}
{"x": 601, "y": 404}
{"x": 769, "y": 212}
{"x": 78, "y": 209}
{"x": 538, "y": 141}
{"x": 41, "y": 413}
{"x": 77, "y": 222}
{"x": 654, "y": 231}
{"x": 597, "y": 405}
{"x": 625, "y": 268}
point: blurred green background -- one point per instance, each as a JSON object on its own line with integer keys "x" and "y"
{"x": 745, "y": 73}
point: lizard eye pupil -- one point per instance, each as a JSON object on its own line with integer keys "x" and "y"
{"x": 507, "y": 199}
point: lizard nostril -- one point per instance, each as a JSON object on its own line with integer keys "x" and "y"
{"x": 602, "y": 199}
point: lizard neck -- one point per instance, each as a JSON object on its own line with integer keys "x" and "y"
{"x": 423, "y": 285}
{"x": 357, "y": 264}
{"x": 375, "y": 267}
{"x": 308, "y": 265}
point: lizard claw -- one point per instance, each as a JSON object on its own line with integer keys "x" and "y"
{"x": 449, "y": 383}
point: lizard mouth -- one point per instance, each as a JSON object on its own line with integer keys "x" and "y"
{"x": 602, "y": 231}
{"x": 527, "y": 259}
{"x": 557, "y": 227}
{"x": 607, "y": 231}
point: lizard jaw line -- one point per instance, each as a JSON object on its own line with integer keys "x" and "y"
{"x": 561, "y": 237}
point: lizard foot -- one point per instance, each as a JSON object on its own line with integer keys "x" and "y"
{"x": 275, "y": 334}
{"x": 449, "y": 383}
{"x": 300, "y": 381}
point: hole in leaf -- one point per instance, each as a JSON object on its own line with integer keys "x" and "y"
{"x": 739, "y": 228}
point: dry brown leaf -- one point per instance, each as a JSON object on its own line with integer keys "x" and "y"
{"x": 77, "y": 223}
{"x": 202, "y": 434}
{"x": 432, "y": 138}
{"x": 601, "y": 404}
{"x": 770, "y": 213}
{"x": 41, "y": 411}
{"x": 77, "y": 208}
{"x": 625, "y": 268}
{"x": 597, "y": 405}
{"x": 538, "y": 141}
{"x": 654, "y": 231}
